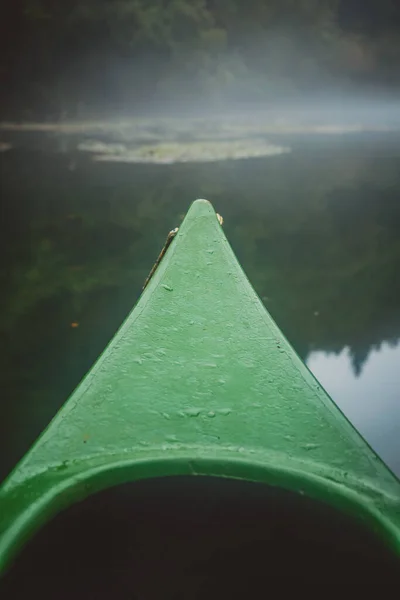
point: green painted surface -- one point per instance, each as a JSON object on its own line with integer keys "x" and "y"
{"x": 199, "y": 380}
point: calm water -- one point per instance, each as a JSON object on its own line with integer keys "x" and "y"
{"x": 317, "y": 231}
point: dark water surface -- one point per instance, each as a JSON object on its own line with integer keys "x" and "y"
{"x": 317, "y": 232}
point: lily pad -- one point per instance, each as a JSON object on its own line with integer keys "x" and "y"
{"x": 201, "y": 151}
{"x": 102, "y": 147}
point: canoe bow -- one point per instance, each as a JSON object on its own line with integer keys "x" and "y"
{"x": 199, "y": 380}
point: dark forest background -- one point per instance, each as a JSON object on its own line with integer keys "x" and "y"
{"x": 73, "y": 58}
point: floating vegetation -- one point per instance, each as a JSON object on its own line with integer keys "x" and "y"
{"x": 178, "y": 152}
{"x": 102, "y": 147}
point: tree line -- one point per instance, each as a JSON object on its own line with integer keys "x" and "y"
{"x": 63, "y": 58}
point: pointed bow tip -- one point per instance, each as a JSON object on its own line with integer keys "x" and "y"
{"x": 202, "y": 201}
{"x": 201, "y": 208}
{"x": 201, "y": 214}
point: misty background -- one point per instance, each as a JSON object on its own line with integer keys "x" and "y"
{"x": 77, "y": 59}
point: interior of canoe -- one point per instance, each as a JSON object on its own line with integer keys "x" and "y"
{"x": 181, "y": 538}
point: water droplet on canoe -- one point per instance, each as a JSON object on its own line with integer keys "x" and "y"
{"x": 211, "y": 414}
{"x": 192, "y": 412}
{"x": 310, "y": 446}
{"x": 138, "y": 360}
{"x": 191, "y": 322}
{"x": 221, "y": 381}
{"x": 166, "y": 416}
{"x": 150, "y": 356}
{"x": 167, "y": 287}
{"x": 224, "y": 411}
{"x": 210, "y": 251}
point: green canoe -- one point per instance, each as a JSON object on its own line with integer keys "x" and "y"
{"x": 200, "y": 385}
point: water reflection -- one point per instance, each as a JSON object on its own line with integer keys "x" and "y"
{"x": 371, "y": 400}
{"x": 317, "y": 232}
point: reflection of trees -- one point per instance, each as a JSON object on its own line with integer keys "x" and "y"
{"x": 326, "y": 256}
{"x": 318, "y": 240}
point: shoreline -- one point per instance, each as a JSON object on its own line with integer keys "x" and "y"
{"x": 183, "y": 124}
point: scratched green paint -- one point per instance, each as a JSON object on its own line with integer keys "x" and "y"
{"x": 199, "y": 380}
